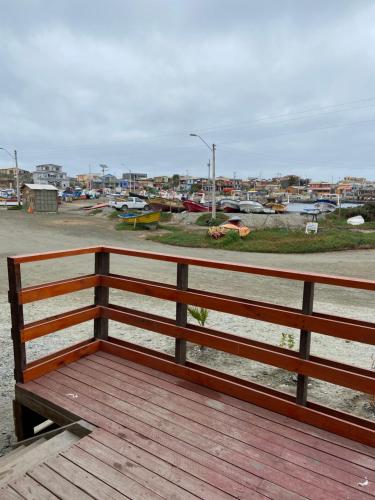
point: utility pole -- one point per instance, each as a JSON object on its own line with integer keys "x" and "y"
{"x": 103, "y": 167}
{"x": 17, "y": 173}
{"x": 17, "y": 178}
{"x": 213, "y": 151}
{"x": 213, "y": 181}
{"x": 209, "y": 170}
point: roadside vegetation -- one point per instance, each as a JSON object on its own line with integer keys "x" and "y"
{"x": 206, "y": 220}
{"x": 335, "y": 234}
{"x": 338, "y": 218}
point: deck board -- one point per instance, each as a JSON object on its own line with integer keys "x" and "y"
{"x": 252, "y": 413}
{"x": 272, "y": 467}
{"x": 289, "y": 464}
{"x": 158, "y": 436}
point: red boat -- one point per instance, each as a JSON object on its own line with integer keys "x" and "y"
{"x": 192, "y": 206}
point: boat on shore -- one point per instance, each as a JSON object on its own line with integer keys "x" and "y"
{"x": 251, "y": 207}
{"x": 145, "y": 218}
{"x": 166, "y": 205}
{"x": 193, "y": 206}
{"x": 278, "y": 208}
{"x": 325, "y": 205}
{"x": 229, "y": 205}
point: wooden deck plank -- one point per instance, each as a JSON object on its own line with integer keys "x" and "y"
{"x": 272, "y": 466}
{"x": 133, "y": 470}
{"x": 289, "y": 464}
{"x": 156, "y": 464}
{"x": 112, "y": 477}
{"x": 8, "y": 493}
{"x": 87, "y": 482}
{"x": 176, "y": 439}
{"x": 146, "y": 477}
{"x": 326, "y": 440}
{"x": 278, "y": 424}
{"x": 57, "y": 484}
{"x": 191, "y": 432}
{"x": 31, "y": 489}
{"x": 140, "y": 439}
{"x": 187, "y": 430}
{"x": 202, "y": 465}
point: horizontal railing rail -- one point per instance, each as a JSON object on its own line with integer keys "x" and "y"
{"x": 327, "y": 279}
{"x": 304, "y": 319}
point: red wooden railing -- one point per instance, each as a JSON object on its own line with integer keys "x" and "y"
{"x": 305, "y": 319}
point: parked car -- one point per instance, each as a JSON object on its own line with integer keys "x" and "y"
{"x": 131, "y": 202}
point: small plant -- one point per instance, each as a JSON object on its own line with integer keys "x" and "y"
{"x": 200, "y": 314}
{"x": 287, "y": 340}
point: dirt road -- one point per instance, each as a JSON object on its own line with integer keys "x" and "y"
{"x": 23, "y": 233}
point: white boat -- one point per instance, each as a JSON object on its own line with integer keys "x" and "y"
{"x": 251, "y": 207}
{"x": 229, "y": 205}
{"x": 325, "y": 206}
{"x": 356, "y": 221}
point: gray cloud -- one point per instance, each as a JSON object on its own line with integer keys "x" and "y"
{"x": 279, "y": 86}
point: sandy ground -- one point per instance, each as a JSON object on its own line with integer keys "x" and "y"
{"x": 23, "y": 233}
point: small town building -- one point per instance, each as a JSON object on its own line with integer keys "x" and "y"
{"x": 51, "y": 174}
{"x": 8, "y": 177}
{"x": 40, "y": 197}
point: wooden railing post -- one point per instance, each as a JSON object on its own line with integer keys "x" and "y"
{"x": 181, "y": 312}
{"x": 14, "y": 275}
{"x": 305, "y": 342}
{"x": 101, "y": 295}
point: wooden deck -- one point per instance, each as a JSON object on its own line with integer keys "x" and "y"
{"x": 161, "y": 426}
{"x": 158, "y": 436}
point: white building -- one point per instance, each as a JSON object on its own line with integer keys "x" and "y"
{"x": 51, "y": 174}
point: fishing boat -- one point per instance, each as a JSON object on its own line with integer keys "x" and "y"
{"x": 166, "y": 205}
{"x": 228, "y": 205}
{"x": 275, "y": 203}
{"x": 193, "y": 206}
{"x": 145, "y": 218}
{"x": 8, "y": 198}
{"x": 325, "y": 205}
{"x": 251, "y": 207}
{"x": 278, "y": 208}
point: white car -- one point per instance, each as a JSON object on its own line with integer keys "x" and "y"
{"x": 131, "y": 202}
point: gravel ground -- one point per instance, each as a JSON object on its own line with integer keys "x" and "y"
{"x": 23, "y": 233}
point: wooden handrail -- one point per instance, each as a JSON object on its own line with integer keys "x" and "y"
{"x": 327, "y": 279}
{"x": 342, "y": 328}
{"x": 285, "y": 359}
{"x": 305, "y": 319}
{"x": 58, "y": 322}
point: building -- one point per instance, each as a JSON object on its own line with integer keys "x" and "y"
{"x": 109, "y": 181}
{"x": 51, "y": 174}
{"x": 320, "y": 188}
{"x": 40, "y": 197}
{"x": 8, "y": 177}
{"x": 133, "y": 176}
{"x": 88, "y": 180}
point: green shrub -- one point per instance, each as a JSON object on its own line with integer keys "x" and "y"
{"x": 206, "y": 219}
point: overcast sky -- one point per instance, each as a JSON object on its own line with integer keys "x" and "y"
{"x": 279, "y": 86}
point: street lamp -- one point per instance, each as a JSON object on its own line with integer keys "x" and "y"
{"x": 17, "y": 173}
{"x": 213, "y": 151}
{"x": 103, "y": 167}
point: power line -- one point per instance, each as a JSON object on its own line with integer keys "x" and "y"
{"x": 270, "y": 120}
